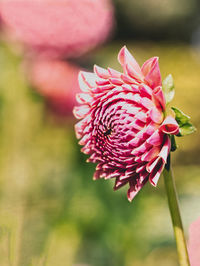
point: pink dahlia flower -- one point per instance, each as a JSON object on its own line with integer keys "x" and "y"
{"x": 57, "y": 81}
{"x": 123, "y": 126}
{"x": 58, "y": 27}
{"x": 194, "y": 243}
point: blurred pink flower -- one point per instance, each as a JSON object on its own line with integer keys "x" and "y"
{"x": 194, "y": 243}
{"x": 57, "y": 81}
{"x": 58, "y": 27}
{"x": 122, "y": 125}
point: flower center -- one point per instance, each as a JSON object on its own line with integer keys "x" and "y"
{"x": 108, "y": 132}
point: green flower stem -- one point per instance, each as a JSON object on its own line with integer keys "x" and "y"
{"x": 175, "y": 216}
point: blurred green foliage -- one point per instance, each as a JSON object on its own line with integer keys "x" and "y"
{"x": 51, "y": 212}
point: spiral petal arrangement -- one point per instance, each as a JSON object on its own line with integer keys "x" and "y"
{"x": 123, "y": 127}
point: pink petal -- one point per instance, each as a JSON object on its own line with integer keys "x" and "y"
{"x": 140, "y": 168}
{"x": 170, "y": 126}
{"x": 150, "y": 129}
{"x": 116, "y": 81}
{"x": 156, "y": 138}
{"x": 82, "y": 84}
{"x": 83, "y": 141}
{"x": 156, "y": 172}
{"x": 152, "y": 153}
{"x": 151, "y": 71}
{"x": 135, "y": 141}
{"x": 83, "y": 98}
{"x": 134, "y": 189}
{"x": 80, "y": 126}
{"x": 125, "y": 58}
{"x": 97, "y": 174}
{"x": 165, "y": 149}
{"x": 145, "y": 90}
{"x": 132, "y": 73}
{"x": 156, "y": 115}
{"x": 119, "y": 183}
{"x": 141, "y": 149}
{"x": 101, "y": 72}
{"x": 89, "y": 78}
{"x": 151, "y": 165}
{"x": 141, "y": 116}
{"x": 102, "y": 82}
{"x": 144, "y": 175}
{"x": 81, "y": 111}
{"x": 147, "y": 103}
{"x": 114, "y": 73}
{"x": 132, "y": 192}
{"x": 103, "y": 88}
{"x": 127, "y": 79}
{"x": 79, "y": 129}
{"x": 159, "y": 98}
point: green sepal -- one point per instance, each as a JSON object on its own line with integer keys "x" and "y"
{"x": 183, "y": 121}
{"x": 173, "y": 143}
{"x": 168, "y": 88}
{"x": 186, "y": 129}
{"x": 181, "y": 118}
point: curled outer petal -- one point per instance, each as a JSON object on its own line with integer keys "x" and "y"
{"x": 170, "y": 126}
{"x": 159, "y": 98}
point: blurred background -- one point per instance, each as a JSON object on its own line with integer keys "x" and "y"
{"x": 51, "y": 211}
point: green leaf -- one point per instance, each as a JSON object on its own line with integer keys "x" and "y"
{"x": 187, "y": 129}
{"x": 168, "y": 88}
{"x": 183, "y": 121}
{"x": 181, "y": 118}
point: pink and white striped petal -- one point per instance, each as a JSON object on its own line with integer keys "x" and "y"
{"x": 151, "y": 72}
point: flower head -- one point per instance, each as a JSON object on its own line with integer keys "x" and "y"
{"x": 123, "y": 126}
